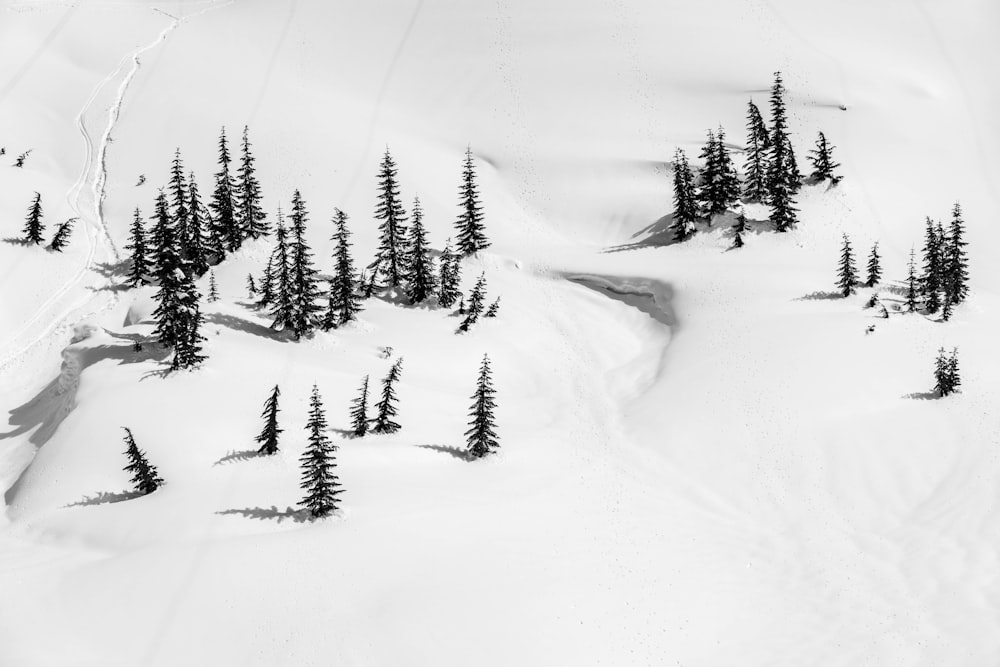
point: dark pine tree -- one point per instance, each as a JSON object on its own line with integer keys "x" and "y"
{"x": 720, "y": 184}
{"x": 145, "y": 478}
{"x": 685, "y": 206}
{"x": 33, "y": 225}
{"x": 930, "y": 279}
{"x": 344, "y": 302}
{"x": 822, "y": 161}
{"x": 198, "y": 243}
{"x": 178, "y": 189}
{"x": 277, "y": 266}
{"x": 493, "y": 309}
{"x": 481, "y": 437}
{"x": 387, "y": 405}
{"x": 847, "y": 274}
{"x": 61, "y": 237}
{"x": 213, "y": 288}
{"x": 248, "y": 210}
{"x": 170, "y": 319}
{"x": 471, "y": 236}
{"x": 476, "y": 304}
{"x": 955, "y": 260}
{"x": 420, "y": 283}
{"x": 946, "y": 375}
{"x": 251, "y": 286}
{"x": 954, "y": 380}
{"x": 268, "y": 437}
{"x": 781, "y": 183}
{"x": 912, "y": 288}
{"x": 359, "y": 411}
{"x": 947, "y": 307}
{"x": 874, "y": 267}
{"x": 141, "y": 264}
{"x": 794, "y": 175}
{"x": 188, "y": 350}
{"x": 319, "y": 460}
{"x": 739, "y": 229}
{"x": 390, "y": 258}
{"x": 757, "y": 166}
{"x": 449, "y": 278}
{"x": 226, "y": 228}
{"x": 304, "y": 285}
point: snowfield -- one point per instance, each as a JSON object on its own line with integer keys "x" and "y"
{"x": 705, "y": 460}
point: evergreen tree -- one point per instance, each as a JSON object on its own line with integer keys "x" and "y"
{"x": 493, "y": 309}
{"x": 449, "y": 278}
{"x": 387, "y": 405}
{"x": 420, "y": 279}
{"x": 197, "y": 244}
{"x": 304, "y": 288}
{"x": 954, "y": 380}
{"x": 911, "y": 284}
{"x": 213, "y": 288}
{"x": 390, "y": 259}
{"x": 954, "y": 259}
{"x": 948, "y": 306}
{"x": 685, "y": 209}
{"x": 170, "y": 325}
{"x": 471, "y": 236}
{"x": 251, "y": 286}
{"x": 720, "y": 184}
{"x": 758, "y": 143}
{"x": 368, "y": 282}
{"x": 227, "y": 230}
{"x": 930, "y": 279}
{"x": 781, "y": 182}
{"x": 739, "y": 228}
{"x": 145, "y": 478}
{"x": 277, "y": 266}
{"x": 847, "y": 274}
{"x": 359, "y": 411}
{"x": 188, "y": 350}
{"x": 476, "y": 304}
{"x": 782, "y": 207}
{"x": 33, "y": 225}
{"x": 249, "y": 213}
{"x": 946, "y": 376}
{"x": 179, "y": 201}
{"x": 874, "y": 267}
{"x": 822, "y": 161}
{"x": 794, "y": 175}
{"x": 140, "y": 255}
{"x": 61, "y": 237}
{"x": 344, "y": 303}
{"x": 268, "y": 437}
{"x": 481, "y": 436}
{"x": 319, "y": 482}
{"x": 461, "y": 305}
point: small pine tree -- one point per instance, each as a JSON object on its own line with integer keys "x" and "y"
{"x": 911, "y": 284}
{"x": 33, "y": 225}
{"x": 420, "y": 283}
{"x": 493, "y": 309}
{"x": 847, "y": 274}
{"x": 481, "y": 437}
{"x": 213, "y": 288}
{"x": 947, "y": 307}
{"x": 145, "y": 478}
{"x": 140, "y": 255}
{"x": 449, "y": 277}
{"x": 954, "y": 380}
{"x": 226, "y": 228}
{"x": 955, "y": 261}
{"x": 319, "y": 482}
{"x": 685, "y": 207}
{"x": 368, "y": 283}
{"x": 461, "y": 305}
{"x": 248, "y": 210}
{"x": 304, "y": 287}
{"x": 822, "y": 161}
{"x": 188, "y": 350}
{"x": 387, "y": 405}
{"x": 794, "y": 175}
{"x": 61, "y": 237}
{"x": 270, "y": 281}
{"x": 946, "y": 375}
{"x": 756, "y": 167}
{"x": 268, "y": 437}
{"x": 930, "y": 280}
{"x": 476, "y": 303}
{"x": 739, "y": 228}
{"x": 251, "y": 286}
{"x": 471, "y": 235}
{"x": 391, "y": 254}
{"x": 344, "y": 303}
{"x": 359, "y": 411}
{"x": 874, "y": 267}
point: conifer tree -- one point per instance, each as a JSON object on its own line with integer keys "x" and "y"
{"x": 685, "y": 208}
{"x": 471, "y": 235}
{"x": 249, "y": 213}
{"x": 739, "y": 228}
{"x": 359, "y": 411}
{"x": 874, "y": 267}
{"x": 930, "y": 279}
{"x": 390, "y": 259}
{"x": 170, "y": 324}
{"x": 368, "y": 282}
{"x": 946, "y": 375}
{"x": 387, "y": 405}
{"x": 758, "y": 143}
{"x": 268, "y": 437}
{"x": 781, "y": 182}
{"x": 304, "y": 288}
{"x": 449, "y": 278}
{"x": 847, "y": 274}
{"x": 213, "y": 288}
{"x": 476, "y": 303}
{"x": 822, "y": 161}
{"x": 197, "y": 243}
{"x": 187, "y": 349}
{"x": 319, "y": 482}
{"x": 947, "y": 306}
{"x": 277, "y": 266}
{"x": 954, "y": 259}
{"x": 140, "y": 255}
{"x": 420, "y": 283}
{"x": 794, "y": 175}
{"x": 179, "y": 201}
{"x": 493, "y": 309}
{"x": 954, "y": 380}
{"x": 33, "y": 225}
{"x": 461, "y": 305}
{"x": 61, "y": 237}
{"x": 481, "y": 437}
{"x": 251, "y": 286}
{"x": 911, "y": 284}
{"x": 145, "y": 478}
{"x": 223, "y": 204}
{"x": 344, "y": 303}
{"x": 720, "y": 184}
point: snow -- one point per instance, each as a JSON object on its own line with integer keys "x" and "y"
{"x": 704, "y": 459}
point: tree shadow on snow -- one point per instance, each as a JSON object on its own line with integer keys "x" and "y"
{"x": 106, "y": 498}
{"x": 654, "y": 235}
{"x": 820, "y": 296}
{"x": 240, "y": 324}
{"x": 923, "y": 396}
{"x": 271, "y": 513}
{"x": 242, "y": 455}
{"x": 455, "y": 452}
{"x": 15, "y": 241}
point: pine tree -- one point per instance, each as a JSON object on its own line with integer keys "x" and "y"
{"x": 344, "y": 303}
{"x": 249, "y": 213}
{"x": 911, "y": 284}
{"x": 145, "y": 478}
{"x": 946, "y": 375}
{"x": 197, "y": 244}
{"x": 61, "y": 237}
{"x": 187, "y": 349}
{"x": 685, "y": 209}
{"x": 179, "y": 201}
{"x": 874, "y": 267}
{"x": 930, "y": 279}
{"x": 390, "y": 259}
{"x": 319, "y": 482}
{"x": 948, "y": 307}
{"x": 720, "y": 184}
{"x": 251, "y": 286}
{"x": 461, "y": 305}
{"x": 213, "y": 288}
{"x": 476, "y": 303}
{"x": 304, "y": 288}
{"x": 955, "y": 260}
{"x": 739, "y": 228}
{"x": 420, "y": 278}
{"x": 268, "y": 437}
{"x": 140, "y": 255}
{"x": 359, "y": 411}
{"x": 481, "y": 436}
{"x": 822, "y": 161}
{"x": 758, "y": 142}
{"x": 449, "y": 278}
{"x": 847, "y": 274}
{"x": 471, "y": 236}
{"x": 794, "y": 175}
{"x": 227, "y": 230}
{"x": 493, "y": 309}
{"x": 277, "y": 266}
{"x": 387, "y": 405}
{"x": 954, "y": 380}
{"x": 170, "y": 326}
{"x": 33, "y": 225}
{"x": 781, "y": 182}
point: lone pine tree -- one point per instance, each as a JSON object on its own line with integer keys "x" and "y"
{"x": 248, "y": 209}
{"x": 930, "y": 279}
{"x": 912, "y": 288}
{"x": 874, "y": 267}
{"x": 268, "y": 437}
{"x": 756, "y": 167}
{"x": 213, "y": 288}
{"x": 847, "y": 274}
{"x": 319, "y": 482}
{"x": 145, "y": 478}
{"x": 387, "y": 404}
{"x": 471, "y": 235}
{"x": 390, "y": 258}
{"x": 476, "y": 304}
{"x": 223, "y": 204}
{"x": 822, "y": 161}
{"x": 33, "y": 225}
{"x": 685, "y": 206}
{"x": 251, "y": 286}
{"x": 359, "y": 411}
{"x": 738, "y": 229}
{"x": 344, "y": 302}
{"x": 420, "y": 283}
{"x": 139, "y": 253}
{"x": 493, "y": 309}
{"x": 304, "y": 285}
{"x": 955, "y": 260}
{"x": 449, "y": 277}
{"x": 481, "y": 438}
{"x": 61, "y": 237}
{"x": 946, "y": 376}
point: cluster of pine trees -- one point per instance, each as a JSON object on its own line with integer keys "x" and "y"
{"x": 946, "y": 376}
{"x": 34, "y": 227}
{"x": 771, "y": 173}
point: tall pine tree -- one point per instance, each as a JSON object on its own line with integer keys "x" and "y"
{"x": 33, "y": 225}
{"x": 912, "y": 288}
{"x": 387, "y": 404}
{"x": 955, "y": 259}
{"x": 930, "y": 279}
{"x": 249, "y": 212}
{"x": 847, "y": 273}
{"x": 449, "y": 278}
{"x": 179, "y": 202}
{"x": 874, "y": 267}
{"x": 757, "y": 165}
{"x": 390, "y": 259}
{"x": 359, "y": 411}
{"x": 223, "y": 204}
{"x": 321, "y": 484}
{"x": 481, "y": 438}
{"x": 685, "y": 207}
{"x": 471, "y": 235}
{"x": 268, "y": 437}
{"x": 781, "y": 182}
{"x": 304, "y": 287}
{"x": 140, "y": 254}
{"x": 420, "y": 282}
{"x": 145, "y": 478}
{"x": 344, "y": 302}
{"x": 197, "y": 244}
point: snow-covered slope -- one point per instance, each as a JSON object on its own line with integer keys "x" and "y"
{"x": 703, "y": 462}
